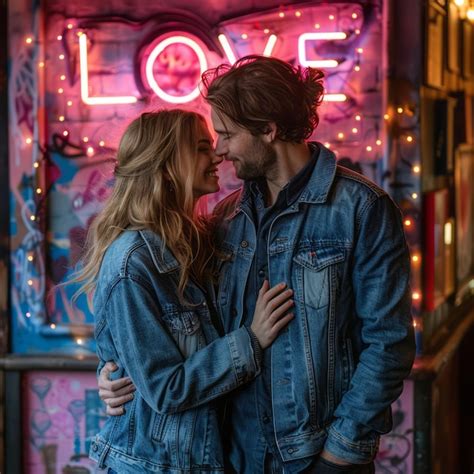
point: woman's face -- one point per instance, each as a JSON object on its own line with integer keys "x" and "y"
{"x": 206, "y": 180}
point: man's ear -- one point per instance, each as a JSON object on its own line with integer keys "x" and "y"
{"x": 270, "y": 133}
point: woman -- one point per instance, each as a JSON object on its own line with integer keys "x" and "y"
{"x": 148, "y": 263}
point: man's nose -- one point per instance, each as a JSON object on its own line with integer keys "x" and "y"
{"x": 221, "y": 149}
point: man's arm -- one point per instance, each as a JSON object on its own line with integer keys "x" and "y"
{"x": 380, "y": 277}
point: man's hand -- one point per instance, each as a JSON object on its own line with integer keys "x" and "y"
{"x": 335, "y": 460}
{"x": 114, "y": 393}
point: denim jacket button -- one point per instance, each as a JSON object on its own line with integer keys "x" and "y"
{"x": 261, "y": 273}
{"x": 290, "y": 450}
{"x": 94, "y": 447}
{"x": 244, "y": 244}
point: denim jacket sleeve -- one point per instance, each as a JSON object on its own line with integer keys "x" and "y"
{"x": 167, "y": 381}
{"x": 380, "y": 276}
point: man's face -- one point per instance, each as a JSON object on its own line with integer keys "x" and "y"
{"x": 251, "y": 155}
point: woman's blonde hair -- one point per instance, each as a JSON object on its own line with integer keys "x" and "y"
{"x": 154, "y": 190}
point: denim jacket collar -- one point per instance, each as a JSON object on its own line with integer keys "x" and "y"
{"x": 317, "y": 189}
{"x": 163, "y": 259}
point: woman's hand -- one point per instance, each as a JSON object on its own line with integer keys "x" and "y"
{"x": 114, "y": 393}
{"x": 270, "y": 314}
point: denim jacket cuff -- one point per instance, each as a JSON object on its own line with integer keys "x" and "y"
{"x": 357, "y": 452}
{"x": 243, "y": 356}
{"x": 257, "y": 348}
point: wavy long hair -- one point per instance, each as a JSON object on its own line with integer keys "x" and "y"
{"x": 154, "y": 190}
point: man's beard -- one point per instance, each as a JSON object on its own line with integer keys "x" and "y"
{"x": 260, "y": 160}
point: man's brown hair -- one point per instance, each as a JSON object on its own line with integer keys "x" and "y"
{"x": 257, "y": 90}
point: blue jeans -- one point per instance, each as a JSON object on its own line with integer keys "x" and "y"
{"x": 323, "y": 466}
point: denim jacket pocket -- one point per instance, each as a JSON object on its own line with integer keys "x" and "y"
{"x": 317, "y": 277}
{"x": 185, "y": 328}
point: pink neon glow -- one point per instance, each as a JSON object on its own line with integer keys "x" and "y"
{"x": 227, "y": 48}
{"x": 272, "y": 39}
{"x": 335, "y": 97}
{"x": 319, "y": 36}
{"x": 152, "y": 58}
{"x": 128, "y": 99}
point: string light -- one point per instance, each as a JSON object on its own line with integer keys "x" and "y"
{"x": 354, "y": 16}
{"x": 407, "y": 222}
{"x": 65, "y": 133}
{"x": 358, "y": 117}
{"x": 415, "y": 258}
{"x": 416, "y": 169}
{"x": 378, "y": 142}
{"x": 35, "y": 164}
{"x": 340, "y": 135}
{"x": 61, "y": 118}
{"x": 360, "y": 50}
{"x": 30, "y": 282}
{"x": 331, "y": 17}
{"x": 41, "y": 64}
{"x": 409, "y": 138}
{"x": 102, "y": 143}
{"x": 32, "y": 218}
{"x": 29, "y": 40}
{"x": 400, "y": 110}
{"x": 60, "y": 90}
{"x": 28, "y": 314}
{"x": 470, "y": 14}
{"x": 62, "y": 77}
{"x": 368, "y": 148}
{"x": 386, "y": 116}
{"x": 28, "y": 141}
{"x": 317, "y": 26}
{"x": 61, "y": 57}
{"x": 357, "y": 31}
{"x": 298, "y": 13}
{"x": 30, "y": 258}
{"x": 85, "y": 139}
{"x": 327, "y": 145}
{"x": 245, "y": 36}
{"x": 70, "y": 26}
{"x": 459, "y": 3}
{"x": 39, "y": 190}
{"x": 281, "y": 15}
{"x": 59, "y": 37}
{"x": 69, "y": 103}
{"x": 357, "y": 68}
{"x": 79, "y": 341}
{"x": 266, "y": 31}
{"x": 90, "y": 151}
{"x": 416, "y": 296}
{"x": 52, "y": 326}
{"x": 355, "y": 130}
{"x": 414, "y": 196}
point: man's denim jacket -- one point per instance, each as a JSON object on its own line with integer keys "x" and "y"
{"x": 338, "y": 366}
{"x": 173, "y": 355}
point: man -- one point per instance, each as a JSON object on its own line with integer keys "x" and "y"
{"x": 324, "y": 395}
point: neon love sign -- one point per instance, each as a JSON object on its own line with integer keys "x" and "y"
{"x": 160, "y": 45}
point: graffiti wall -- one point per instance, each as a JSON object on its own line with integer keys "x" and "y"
{"x": 79, "y": 76}
{"x": 62, "y": 413}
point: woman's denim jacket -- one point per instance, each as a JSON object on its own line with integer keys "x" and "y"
{"x": 338, "y": 366}
{"x": 173, "y": 355}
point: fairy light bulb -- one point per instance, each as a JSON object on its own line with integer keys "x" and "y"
{"x": 32, "y": 218}
{"x": 60, "y": 90}
{"x": 416, "y": 295}
{"x": 360, "y": 50}
{"x": 414, "y": 195}
{"x": 70, "y": 26}
{"x": 61, "y": 118}
{"x": 52, "y": 326}
{"x": 79, "y": 341}
{"x": 340, "y": 135}
{"x": 244, "y": 36}
{"x": 28, "y": 314}
{"x": 35, "y": 164}
{"x": 368, "y": 148}
{"x": 470, "y": 14}
{"x": 327, "y": 145}
{"x": 59, "y": 37}
{"x": 355, "y": 130}
{"x": 331, "y": 17}
{"x": 281, "y": 15}
{"x": 415, "y": 258}
{"x": 358, "y": 117}
{"x": 102, "y": 143}
{"x": 28, "y": 141}
{"x": 85, "y": 139}
{"x": 65, "y": 133}
{"x": 378, "y": 142}
{"x": 29, "y": 40}
{"x": 69, "y": 103}
{"x": 354, "y": 16}
{"x": 90, "y": 151}
{"x": 409, "y": 138}
{"x": 400, "y": 110}
{"x": 30, "y": 282}
{"x": 297, "y": 13}
{"x": 317, "y": 26}
{"x": 61, "y": 56}
{"x": 41, "y": 64}
{"x": 39, "y": 190}
{"x": 266, "y": 31}
{"x": 62, "y": 77}
{"x": 30, "y": 258}
{"x": 386, "y": 116}
{"x": 416, "y": 169}
{"x": 357, "y": 68}
{"x": 407, "y": 222}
